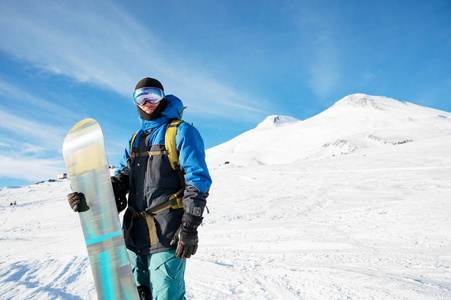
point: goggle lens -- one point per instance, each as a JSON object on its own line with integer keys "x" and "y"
{"x": 153, "y": 95}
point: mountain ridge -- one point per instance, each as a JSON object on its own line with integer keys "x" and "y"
{"x": 356, "y": 123}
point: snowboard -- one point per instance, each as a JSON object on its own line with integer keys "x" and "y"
{"x": 87, "y": 167}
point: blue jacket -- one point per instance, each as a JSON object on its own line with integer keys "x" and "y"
{"x": 151, "y": 180}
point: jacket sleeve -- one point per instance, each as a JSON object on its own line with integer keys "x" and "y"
{"x": 192, "y": 160}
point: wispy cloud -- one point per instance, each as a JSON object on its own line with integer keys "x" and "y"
{"x": 48, "y": 135}
{"x": 30, "y": 169}
{"x": 24, "y": 98}
{"x": 324, "y": 71}
{"x": 101, "y": 44}
{"x": 317, "y": 33}
{"x": 29, "y": 149}
{"x": 11, "y": 146}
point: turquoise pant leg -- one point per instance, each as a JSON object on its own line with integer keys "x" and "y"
{"x": 167, "y": 276}
{"x": 140, "y": 268}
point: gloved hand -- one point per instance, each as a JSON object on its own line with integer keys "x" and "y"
{"x": 144, "y": 292}
{"x": 186, "y": 237}
{"x": 77, "y": 202}
{"x": 120, "y": 190}
{"x": 121, "y": 202}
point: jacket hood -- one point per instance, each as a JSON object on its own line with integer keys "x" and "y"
{"x": 173, "y": 111}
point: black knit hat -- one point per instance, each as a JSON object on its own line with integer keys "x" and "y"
{"x": 149, "y": 82}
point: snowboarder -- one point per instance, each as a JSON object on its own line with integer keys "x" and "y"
{"x": 159, "y": 237}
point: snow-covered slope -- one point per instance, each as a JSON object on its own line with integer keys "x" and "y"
{"x": 358, "y": 123}
{"x": 371, "y": 224}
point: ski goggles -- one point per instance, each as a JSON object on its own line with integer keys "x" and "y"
{"x": 153, "y": 95}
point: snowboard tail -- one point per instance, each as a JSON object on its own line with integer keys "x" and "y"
{"x": 88, "y": 171}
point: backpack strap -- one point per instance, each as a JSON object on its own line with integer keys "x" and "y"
{"x": 132, "y": 141}
{"x": 148, "y": 215}
{"x": 173, "y": 154}
{"x": 170, "y": 143}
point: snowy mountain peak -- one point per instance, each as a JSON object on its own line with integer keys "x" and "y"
{"x": 276, "y": 120}
{"x": 375, "y": 102}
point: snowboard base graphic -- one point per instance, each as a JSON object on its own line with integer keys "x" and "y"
{"x": 88, "y": 171}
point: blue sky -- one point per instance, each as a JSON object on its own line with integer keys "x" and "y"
{"x": 233, "y": 63}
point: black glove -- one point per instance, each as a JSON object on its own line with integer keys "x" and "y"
{"x": 120, "y": 190}
{"x": 186, "y": 237}
{"x": 77, "y": 202}
{"x": 144, "y": 292}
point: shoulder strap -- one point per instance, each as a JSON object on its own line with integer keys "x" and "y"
{"x": 173, "y": 154}
{"x": 171, "y": 145}
{"x": 132, "y": 141}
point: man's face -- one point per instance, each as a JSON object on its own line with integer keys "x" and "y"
{"x": 148, "y": 107}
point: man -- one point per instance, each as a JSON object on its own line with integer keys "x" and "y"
{"x": 158, "y": 235}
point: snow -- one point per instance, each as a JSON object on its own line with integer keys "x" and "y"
{"x": 350, "y": 204}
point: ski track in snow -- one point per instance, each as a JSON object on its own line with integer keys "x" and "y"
{"x": 371, "y": 223}
{"x": 348, "y": 234}
{"x": 43, "y": 254}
